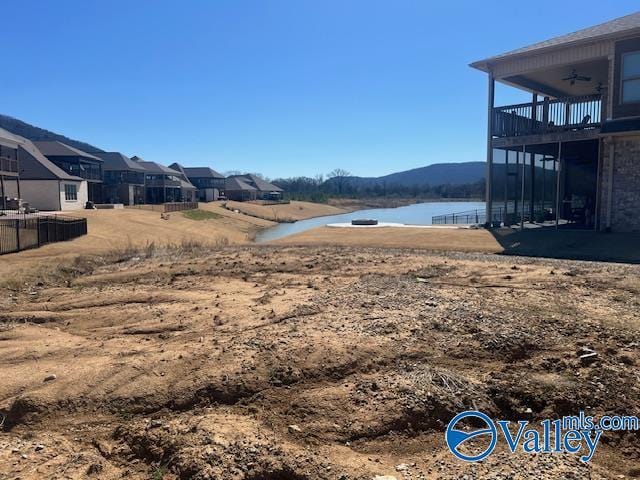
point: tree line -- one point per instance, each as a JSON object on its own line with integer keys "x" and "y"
{"x": 339, "y": 183}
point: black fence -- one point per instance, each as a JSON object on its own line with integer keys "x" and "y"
{"x": 27, "y": 231}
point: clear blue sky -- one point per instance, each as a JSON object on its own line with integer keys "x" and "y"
{"x": 284, "y": 88}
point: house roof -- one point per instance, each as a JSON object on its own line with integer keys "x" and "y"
{"x": 237, "y": 183}
{"x": 118, "y": 161}
{"x": 157, "y": 169}
{"x": 197, "y": 172}
{"x": 185, "y": 184}
{"x": 258, "y": 183}
{"x": 9, "y": 139}
{"x": 32, "y": 164}
{"x": 58, "y": 149}
{"x": 614, "y": 28}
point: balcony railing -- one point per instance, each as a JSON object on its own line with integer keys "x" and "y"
{"x": 558, "y": 115}
{"x": 159, "y": 182}
{"x": 8, "y": 165}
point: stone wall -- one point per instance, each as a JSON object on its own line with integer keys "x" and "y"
{"x": 625, "y": 188}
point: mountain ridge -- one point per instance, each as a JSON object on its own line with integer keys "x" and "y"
{"x": 33, "y": 133}
{"x": 435, "y": 174}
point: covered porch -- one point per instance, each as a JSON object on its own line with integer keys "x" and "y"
{"x": 551, "y": 184}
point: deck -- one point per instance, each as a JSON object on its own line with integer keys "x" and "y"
{"x": 548, "y": 121}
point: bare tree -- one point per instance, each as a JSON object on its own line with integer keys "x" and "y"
{"x": 338, "y": 175}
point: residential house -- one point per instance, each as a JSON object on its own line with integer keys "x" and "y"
{"x": 210, "y": 184}
{"x": 124, "y": 179}
{"x": 251, "y": 187}
{"x": 164, "y": 184}
{"x": 46, "y": 186}
{"x": 76, "y": 163}
{"x": 571, "y": 154}
{"x": 9, "y": 182}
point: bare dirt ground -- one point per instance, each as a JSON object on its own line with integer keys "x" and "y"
{"x": 287, "y": 363}
{"x": 434, "y": 239}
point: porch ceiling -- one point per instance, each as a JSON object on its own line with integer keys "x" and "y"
{"x": 550, "y": 81}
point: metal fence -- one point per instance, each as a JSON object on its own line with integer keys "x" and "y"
{"x": 469, "y": 217}
{"x": 25, "y": 231}
{"x": 511, "y": 215}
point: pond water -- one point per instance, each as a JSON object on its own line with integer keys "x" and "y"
{"x": 416, "y": 214}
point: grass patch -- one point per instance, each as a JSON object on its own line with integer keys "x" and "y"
{"x": 200, "y": 214}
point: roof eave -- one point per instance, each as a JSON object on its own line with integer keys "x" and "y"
{"x": 485, "y": 65}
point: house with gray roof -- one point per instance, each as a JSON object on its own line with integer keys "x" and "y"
{"x": 76, "y": 163}
{"x": 210, "y": 184}
{"x": 251, "y": 187}
{"x": 9, "y": 183}
{"x": 164, "y": 184}
{"x": 124, "y": 179}
{"x": 569, "y": 156}
{"x": 39, "y": 181}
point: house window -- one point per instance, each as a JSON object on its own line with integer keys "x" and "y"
{"x": 70, "y": 192}
{"x": 631, "y": 77}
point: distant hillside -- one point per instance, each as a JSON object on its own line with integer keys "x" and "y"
{"x": 431, "y": 175}
{"x": 34, "y": 133}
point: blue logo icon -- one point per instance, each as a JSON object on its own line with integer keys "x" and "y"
{"x": 455, "y": 437}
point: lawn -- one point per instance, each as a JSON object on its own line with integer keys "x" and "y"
{"x": 200, "y": 214}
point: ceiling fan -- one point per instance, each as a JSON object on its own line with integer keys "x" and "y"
{"x": 575, "y": 77}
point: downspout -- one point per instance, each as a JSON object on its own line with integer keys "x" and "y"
{"x": 59, "y": 195}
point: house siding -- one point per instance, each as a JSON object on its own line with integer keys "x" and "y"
{"x": 620, "y": 184}
{"x": 620, "y": 110}
{"x": 48, "y": 195}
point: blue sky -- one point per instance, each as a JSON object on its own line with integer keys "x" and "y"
{"x": 284, "y": 88}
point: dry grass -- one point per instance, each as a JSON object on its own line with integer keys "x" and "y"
{"x": 286, "y": 212}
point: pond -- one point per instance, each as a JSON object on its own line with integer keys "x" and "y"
{"x": 416, "y": 214}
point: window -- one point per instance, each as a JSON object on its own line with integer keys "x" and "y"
{"x": 631, "y": 77}
{"x": 70, "y": 192}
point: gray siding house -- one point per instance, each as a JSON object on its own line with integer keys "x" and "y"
{"x": 164, "y": 184}
{"x": 124, "y": 179}
{"x": 210, "y": 184}
{"x": 251, "y": 187}
{"x": 76, "y": 163}
{"x": 44, "y": 185}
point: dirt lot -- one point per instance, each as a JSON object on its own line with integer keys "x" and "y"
{"x": 287, "y": 363}
{"x": 435, "y": 239}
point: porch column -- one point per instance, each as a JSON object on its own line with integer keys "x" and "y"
{"x": 4, "y": 195}
{"x": 506, "y": 183}
{"x": 558, "y": 175}
{"x": 489, "y": 170}
{"x": 524, "y": 164}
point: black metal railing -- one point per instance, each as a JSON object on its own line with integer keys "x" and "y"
{"x": 22, "y": 232}
{"x": 469, "y": 217}
{"x": 561, "y": 114}
{"x": 513, "y": 214}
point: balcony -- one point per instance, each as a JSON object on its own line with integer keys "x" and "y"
{"x": 569, "y": 114}
{"x": 8, "y": 165}
{"x": 159, "y": 182}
